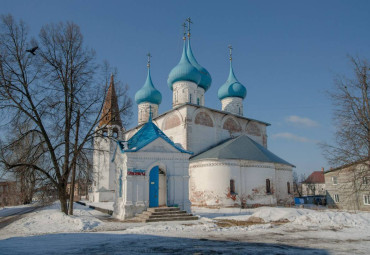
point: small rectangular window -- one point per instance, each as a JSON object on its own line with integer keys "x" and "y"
{"x": 335, "y": 180}
{"x": 232, "y": 187}
{"x": 268, "y": 186}
{"x": 336, "y": 198}
{"x": 366, "y": 199}
{"x": 366, "y": 180}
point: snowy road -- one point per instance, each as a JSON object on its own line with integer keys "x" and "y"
{"x": 9, "y": 215}
{"x": 104, "y": 243}
{"x": 264, "y": 230}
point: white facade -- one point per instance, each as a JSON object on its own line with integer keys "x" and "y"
{"x": 210, "y": 183}
{"x": 132, "y": 192}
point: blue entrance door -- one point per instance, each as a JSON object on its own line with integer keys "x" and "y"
{"x": 153, "y": 187}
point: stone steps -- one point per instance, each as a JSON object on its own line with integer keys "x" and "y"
{"x": 165, "y": 214}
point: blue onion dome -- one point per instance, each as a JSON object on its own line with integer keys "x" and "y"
{"x": 232, "y": 87}
{"x": 184, "y": 71}
{"x": 148, "y": 93}
{"x": 205, "y": 80}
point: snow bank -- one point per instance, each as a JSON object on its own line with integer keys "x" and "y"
{"x": 52, "y": 220}
{"x": 296, "y": 216}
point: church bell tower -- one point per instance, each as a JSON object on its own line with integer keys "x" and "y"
{"x": 108, "y": 131}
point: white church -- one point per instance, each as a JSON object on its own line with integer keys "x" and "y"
{"x": 190, "y": 155}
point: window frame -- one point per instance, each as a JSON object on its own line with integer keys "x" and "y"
{"x": 232, "y": 187}
{"x": 334, "y": 179}
{"x": 268, "y": 187}
{"x": 366, "y": 180}
{"x": 336, "y": 198}
{"x": 366, "y": 197}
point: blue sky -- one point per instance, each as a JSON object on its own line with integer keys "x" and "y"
{"x": 286, "y": 53}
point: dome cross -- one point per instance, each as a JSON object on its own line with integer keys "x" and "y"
{"x": 189, "y": 22}
{"x": 184, "y": 26}
{"x": 230, "y": 52}
{"x": 149, "y": 57}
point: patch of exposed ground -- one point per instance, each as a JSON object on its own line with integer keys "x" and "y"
{"x": 225, "y": 223}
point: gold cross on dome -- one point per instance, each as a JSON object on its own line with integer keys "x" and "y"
{"x": 149, "y": 56}
{"x": 189, "y": 22}
{"x": 184, "y": 26}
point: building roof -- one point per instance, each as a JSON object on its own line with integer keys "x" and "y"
{"x": 242, "y": 148}
{"x": 110, "y": 114}
{"x": 315, "y": 177}
{"x": 147, "y": 134}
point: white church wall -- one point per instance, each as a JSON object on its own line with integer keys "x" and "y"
{"x": 184, "y": 92}
{"x": 210, "y": 183}
{"x": 103, "y": 170}
{"x": 255, "y": 176}
{"x": 233, "y": 105}
{"x": 284, "y": 174}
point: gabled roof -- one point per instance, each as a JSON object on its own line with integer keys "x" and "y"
{"x": 147, "y": 134}
{"x": 241, "y": 147}
{"x": 315, "y": 177}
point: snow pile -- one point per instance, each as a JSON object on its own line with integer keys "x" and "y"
{"x": 52, "y": 220}
{"x": 296, "y": 217}
{"x": 334, "y": 219}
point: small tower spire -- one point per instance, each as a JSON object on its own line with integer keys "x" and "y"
{"x": 189, "y": 22}
{"x": 110, "y": 113}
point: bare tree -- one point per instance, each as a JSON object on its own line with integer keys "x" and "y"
{"x": 350, "y": 99}
{"x": 297, "y": 186}
{"x": 47, "y": 88}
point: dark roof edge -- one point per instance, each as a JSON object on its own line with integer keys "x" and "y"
{"x": 346, "y": 165}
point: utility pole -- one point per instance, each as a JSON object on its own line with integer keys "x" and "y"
{"x": 72, "y": 188}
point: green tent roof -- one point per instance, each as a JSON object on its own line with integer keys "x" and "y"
{"x": 241, "y": 147}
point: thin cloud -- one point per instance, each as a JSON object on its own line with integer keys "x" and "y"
{"x": 302, "y": 121}
{"x": 290, "y": 136}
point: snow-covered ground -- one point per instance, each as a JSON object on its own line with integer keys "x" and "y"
{"x": 230, "y": 230}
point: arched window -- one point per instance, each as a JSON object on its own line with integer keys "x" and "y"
{"x": 268, "y": 186}
{"x": 288, "y": 187}
{"x": 198, "y": 101}
{"x": 105, "y": 132}
{"x": 232, "y": 186}
{"x": 190, "y": 97}
{"x": 115, "y": 133}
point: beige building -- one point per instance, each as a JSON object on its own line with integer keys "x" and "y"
{"x": 348, "y": 187}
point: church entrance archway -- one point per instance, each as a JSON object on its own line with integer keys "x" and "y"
{"x": 157, "y": 187}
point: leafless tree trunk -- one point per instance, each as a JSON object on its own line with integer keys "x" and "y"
{"x": 297, "y": 186}
{"x": 46, "y": 90}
